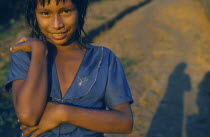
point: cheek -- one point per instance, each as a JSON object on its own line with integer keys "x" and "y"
{"x": 42, "y": 27}
{"x": 72, "y": 21}
{"x": 42, "y": 24}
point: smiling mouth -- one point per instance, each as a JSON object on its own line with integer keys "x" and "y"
{"x": 58, "y": 36}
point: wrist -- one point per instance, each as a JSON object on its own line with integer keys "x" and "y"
{"x": 66, "y": 111}
{"x": 39, "y": 48}
{"x": 60, "y": 111}
{"x": 40, "y": 52}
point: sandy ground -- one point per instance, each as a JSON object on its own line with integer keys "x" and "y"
{"x": 100, "y": 12}
{"x": 169, "y": 40}
{"x": 170, "y": 83}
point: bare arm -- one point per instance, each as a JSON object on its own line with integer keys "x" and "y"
{"x": 117, "y": 120}
{"x": 29, "y": 95}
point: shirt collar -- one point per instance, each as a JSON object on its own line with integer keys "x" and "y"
{"x": 84, "y": 79}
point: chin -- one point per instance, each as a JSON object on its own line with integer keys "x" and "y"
{"x": 63, "y": 42}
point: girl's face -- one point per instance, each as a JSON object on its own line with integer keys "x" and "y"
{"x": 57, "y": 22}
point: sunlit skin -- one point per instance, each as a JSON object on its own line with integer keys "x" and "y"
{"x": 58, "y": 23}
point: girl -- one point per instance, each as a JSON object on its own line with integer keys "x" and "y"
{"x": 62, "y": 85}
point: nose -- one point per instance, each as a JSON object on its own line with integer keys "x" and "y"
{"x": 57, "y": 22}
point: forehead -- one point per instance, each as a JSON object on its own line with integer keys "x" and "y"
{"x": 49, "y": 3}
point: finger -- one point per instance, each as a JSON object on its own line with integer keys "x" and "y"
{"x": 23, "y": 39}
{"x": 23, "y": 127}
{"x": 16, "y": 47}
{"x": 29, "y": 130}
{"x": 38, "y": 132}
{"x": 20, "y": 43}
{"x": 23, "y": 46}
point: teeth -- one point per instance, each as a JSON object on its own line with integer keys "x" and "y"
{"x": 57, "y": 34}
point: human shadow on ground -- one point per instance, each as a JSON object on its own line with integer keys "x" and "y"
{"x": 168, "y": 119}
{"x": 109, "y": 24}
{"x": 198, "y": 125}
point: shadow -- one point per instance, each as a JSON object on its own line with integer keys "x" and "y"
{"x": 198, "y": 125}
{"x": 108, "y": 25}
{"x": 168, "y": 119}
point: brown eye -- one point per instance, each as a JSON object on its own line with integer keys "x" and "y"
{"x": 45, "y": 13}
{"x": 66, "y": 11}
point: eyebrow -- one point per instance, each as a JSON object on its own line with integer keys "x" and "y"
{"x": 41, "y": 9}
{"x": 48, "y": 9}
{"x": 64, "y": 7}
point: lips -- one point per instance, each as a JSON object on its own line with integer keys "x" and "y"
{"x": 58, "y": 36}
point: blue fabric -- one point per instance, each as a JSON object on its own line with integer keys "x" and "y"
{"x": 19, "y": 66}
{"x": 99, "y": 83}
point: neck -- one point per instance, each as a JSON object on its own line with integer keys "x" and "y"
{"x": 63, "y": 50}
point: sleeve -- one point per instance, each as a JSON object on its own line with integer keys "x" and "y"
{"x": 117, "y": 88}
{"x": 19, "y": 66}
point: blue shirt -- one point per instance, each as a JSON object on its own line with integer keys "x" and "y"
{"x": 100, "y": 82}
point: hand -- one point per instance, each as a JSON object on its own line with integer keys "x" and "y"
{"x": 27, "y": 44}
{"x": 49, "y": 120}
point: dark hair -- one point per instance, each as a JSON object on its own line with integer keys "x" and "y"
{"x": 31, "y": 21}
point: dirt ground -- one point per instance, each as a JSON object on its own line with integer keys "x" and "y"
{"x": 169, "y": 40}
{"x": 101, "y": 12}
{"x": 170, "y": 83}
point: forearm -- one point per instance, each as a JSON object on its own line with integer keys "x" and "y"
{"x": 106, "y": 121}
{"x": 31, "y": 98}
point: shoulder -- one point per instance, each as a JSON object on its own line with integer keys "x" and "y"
{"x": 21, "y": 55}
{"x": 106, "y": 52}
